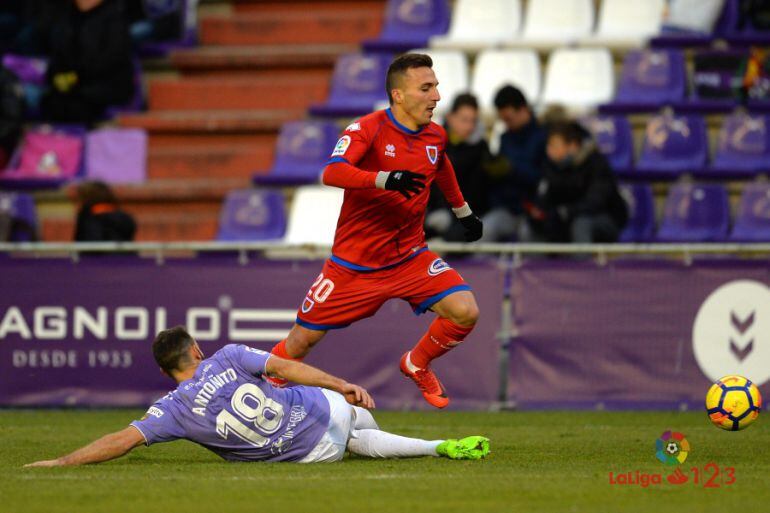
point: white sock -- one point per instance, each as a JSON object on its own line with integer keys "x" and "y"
{"x": 363, "y": 419}
{"x": 380, "y": 444}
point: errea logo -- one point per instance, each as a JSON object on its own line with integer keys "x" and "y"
{"x": 390, "y": 150}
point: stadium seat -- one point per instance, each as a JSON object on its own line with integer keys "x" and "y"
{"x": 553, "y": 23}
{"x": 614, "y": 139}
{"x": 23, "y": 214}
{"x": 641, "y": 213}
{"x": 451, "y": 69}
{"x": 313, "y": 215}
{"x": 410, "y": 24}
{"x": 650, "y": 79}
{"x": 357, "y": 85}
{"x": 302, "y": 149}
{"x": 496, "y": 68}
{"x": 251, "y": 215}
{"x": 752, "y": 222}
{"x": 743, "y": 147}
{"x": 695, "y": 213}
{"x": 116, "y": 155}
{"x": 480, "y": 24}
{"x": 673, "y": 145}
{"x": 579, "y": 79}
{"x": 624, "y": 24}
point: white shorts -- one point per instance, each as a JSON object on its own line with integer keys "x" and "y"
{"x": 332, "y": 445}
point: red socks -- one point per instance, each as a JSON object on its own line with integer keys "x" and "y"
{"x": 442, "y": 336}
{"x": 280, "y": 350}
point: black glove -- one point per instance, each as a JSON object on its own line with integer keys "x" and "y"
{"x": 405, "y": 182}
{"x": 474, "y": 228}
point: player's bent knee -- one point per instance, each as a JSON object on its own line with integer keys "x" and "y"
{"x": 465, "y": 314}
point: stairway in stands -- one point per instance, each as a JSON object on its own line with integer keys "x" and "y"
{"x": 214, "y": 115}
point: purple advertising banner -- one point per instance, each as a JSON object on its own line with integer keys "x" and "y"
{"x": 637, "y": 333}
{"x": 79, "y": 334}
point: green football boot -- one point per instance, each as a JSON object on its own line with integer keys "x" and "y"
{"x": 468, "y": 448}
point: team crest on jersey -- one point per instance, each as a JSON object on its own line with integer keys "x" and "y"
{"x": 342, "y": 146}
{"x": 307, "y": 305}
{"x": 390, "y": 150}
{"x": 432, "y": 153}
{"x": 437, "y": 267}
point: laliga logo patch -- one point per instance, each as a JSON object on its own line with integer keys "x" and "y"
{"x": 432, "y": 153}
{"x": 342, "y": 146}
{"x": 307, "y": 305}
{"x": 437, "y": 267}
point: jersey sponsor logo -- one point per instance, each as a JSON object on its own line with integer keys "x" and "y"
{"x": 437, "y": 267}
{"x": 342, "y": 146}
{"x": 353, "y": 127}
{"x": 432, "y": 152}
{"x": 390, "y": 150}
{"x": 155, "y": 412}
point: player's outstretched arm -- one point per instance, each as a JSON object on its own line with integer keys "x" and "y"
{"x": 304, "y": 374}
{"x": 106, "y": 448}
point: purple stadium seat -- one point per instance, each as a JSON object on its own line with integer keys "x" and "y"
{"x": 695, "y": 213}
{"x": 651, "y": 79}
{"x": 116, "y": 155}
{"x": 752, "y": 222}
{"x": 21, "y": 208}
{"x": 613, "y": 136}
{"x": 29, "y": 70}
{"x": 357, "y": 85}
{"x": 410, "y": 24}
{"x": 302, "y": 150}
{"x": 673, "y": 145}
{"x": 744, "y": 145}
{"x": 641, "y": 213}
{"x": 252, "y": 215}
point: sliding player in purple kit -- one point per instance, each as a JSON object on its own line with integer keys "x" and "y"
{"x": 386, "y": 162}
{"x": 224, "y": 404}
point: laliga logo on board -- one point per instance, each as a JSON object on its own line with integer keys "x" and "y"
{"x": 731, "y": 332}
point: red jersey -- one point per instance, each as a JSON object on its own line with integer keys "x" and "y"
{"x": 379, "y": 228}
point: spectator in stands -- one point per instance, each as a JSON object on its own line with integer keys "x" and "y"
{"x": 100, "y": 218}
{"x": 471, "y": 158}
{"x": 90, "y": 66}
{"x": 155, "y": 21}
{"x": 578, "y": 198}
{"x": 522, "y": 146}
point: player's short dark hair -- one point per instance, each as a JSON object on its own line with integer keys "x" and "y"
{"x": 510, "y": 96}
{"x": 465, "y": 100}
{"x": 400, "y": 64}
{"x": 569, "y": 131}
{"x": 170, "y": 348}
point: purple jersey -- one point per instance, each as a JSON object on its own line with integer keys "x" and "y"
{"x": 228, "y": 408}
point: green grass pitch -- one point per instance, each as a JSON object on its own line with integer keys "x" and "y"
{"x": 541, "y": 461}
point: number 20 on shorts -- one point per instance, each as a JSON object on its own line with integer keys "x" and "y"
{"x": 319, "y": 292}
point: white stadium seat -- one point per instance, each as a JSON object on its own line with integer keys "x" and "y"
{"x": 627, "y": 24}
{"x": 451, "y": 69}
{"x": 553, "y": 23}
{"x": 479, "y": 24}
{"x": 579, "y": 79}
{"x": 313, "y": 215}
{"x": 496, "y": 68}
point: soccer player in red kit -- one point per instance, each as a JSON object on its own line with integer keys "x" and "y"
{"x": 386, "y": 162}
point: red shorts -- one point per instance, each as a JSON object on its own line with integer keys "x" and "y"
{"x": 341, "y": 296}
